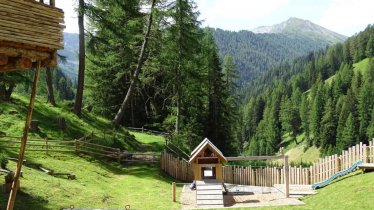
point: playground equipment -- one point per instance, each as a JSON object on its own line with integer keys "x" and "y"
{"x": 339, "y": 174}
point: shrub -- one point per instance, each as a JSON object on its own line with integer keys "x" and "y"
{"x": 3, "y": 160}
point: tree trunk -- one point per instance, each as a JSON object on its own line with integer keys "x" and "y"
{"x": 82, "y": 54}
{"x": 6, "y": 93}
{"x": 178, "y": 72}
{"x": 121, "y": 112}
{"x": 48, "y": 80}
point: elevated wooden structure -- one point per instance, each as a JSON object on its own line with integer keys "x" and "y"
{"x": 30, "y": 32}
{"x": 204, "y": 156}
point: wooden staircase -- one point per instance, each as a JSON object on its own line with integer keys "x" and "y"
{"x": 209, "y": 194}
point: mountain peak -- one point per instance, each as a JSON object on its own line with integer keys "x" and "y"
{"x": 300, "y": 27}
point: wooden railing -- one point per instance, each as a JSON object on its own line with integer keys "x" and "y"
{"x": 81, "y": 145}
{"x": 268, "y": 176}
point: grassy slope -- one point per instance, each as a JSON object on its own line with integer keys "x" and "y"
{"x": 361, "y": 67}
{"x": 99, "y": 184}
{"x": 352, "y": 192}
{"x": 297, "y": 152}
{"x": 13, "y": 114}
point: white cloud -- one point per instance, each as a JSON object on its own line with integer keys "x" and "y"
{"x": 71, "y": 21}
{"x": 232, "y": 12}
{"x": 347, "y": 16}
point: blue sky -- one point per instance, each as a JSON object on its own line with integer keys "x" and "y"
{"x": 346, "y": 17}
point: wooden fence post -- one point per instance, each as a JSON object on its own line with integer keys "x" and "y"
{"x": 76, "y": 146}
{"x": 119, "y": 155}
{"x": 46, "y": 146}
{"x": 365, "y": 155}
{"x": 173, "y": 191}
{"x": 287, "y": 175}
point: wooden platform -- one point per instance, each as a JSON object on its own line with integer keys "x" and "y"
{"x": 366, "y": 167}
{"x": 209, "y": 194}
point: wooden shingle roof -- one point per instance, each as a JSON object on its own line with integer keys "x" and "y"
{"x": 203, "y": 145}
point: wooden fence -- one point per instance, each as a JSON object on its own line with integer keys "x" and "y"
{"x": 82, "y": 145}
{"x": 176, "y": 167}
{"x": 268, "y": 176}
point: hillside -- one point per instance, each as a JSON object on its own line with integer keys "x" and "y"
{"x": 13, "y": 113}
{"x": 320, "y": 96}
{"x": 255, "y": 53}
{"x": 98, "y": 184}
{"x": 70, "y": 51}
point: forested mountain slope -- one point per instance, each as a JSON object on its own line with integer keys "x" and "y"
{"x": 327, "y": 95}
{"x": 255, "y": 53}
{"x": 70, "y": 51}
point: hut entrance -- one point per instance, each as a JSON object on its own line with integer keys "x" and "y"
{"x": 208, "y": 172}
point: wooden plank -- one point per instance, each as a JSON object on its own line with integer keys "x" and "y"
{"x": 210, "y": 196}
{"x": 254, "y": 158}
{"x": 211, "y": 206}
{"x": 209, "y": 192}
{"x": 209, "y": 187}
{"x": 47, "y": 11}
{"x": 209, "y": 202}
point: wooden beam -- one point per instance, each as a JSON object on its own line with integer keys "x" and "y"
{"x": 20, "y": 52}
{"x": 254, "y": 158}
{"x": 13, "y": 192}
{"x": 14, "y": 64}
{"x": 286, "y": 176}
{"x": 3, "y": 59}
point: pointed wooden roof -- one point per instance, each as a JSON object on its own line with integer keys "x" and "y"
{"x": 202, "y": 146}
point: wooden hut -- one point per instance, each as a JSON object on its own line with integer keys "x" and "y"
{"x": 31, "y": 32}
{"x": 207, "y": 161}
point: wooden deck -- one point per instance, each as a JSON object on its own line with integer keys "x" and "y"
{"x": 366, "y": 167}
{"x": 209, "y": 194}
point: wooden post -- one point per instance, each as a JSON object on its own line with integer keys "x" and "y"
{"x": 13, "y": 193}
{"x": 119, "y": 155}
{"x": 46, "y": 146}
{"x": 173, "y": 190}
{"x": 52, "y": 3}
{"x": 76, "y": 146}
{"x": 286, "y": 176}
{"x": 365, "y": 155}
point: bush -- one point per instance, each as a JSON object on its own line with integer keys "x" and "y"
{"x": 3, "y": 160}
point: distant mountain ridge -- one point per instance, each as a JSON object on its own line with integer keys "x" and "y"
{"x": 70, "y": 51}
{"x": 255, "y": 53}
{"x": 299, "y": 26}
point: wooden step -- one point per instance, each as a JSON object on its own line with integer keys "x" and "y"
{"x": 209, "y": 197}
{"x": 209, "y": 202}
{"x": 210, "y": 206}
{"x": 208, "y": 187}
{"x": 209, "y": 192}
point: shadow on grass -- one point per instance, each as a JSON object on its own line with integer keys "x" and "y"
{"x": 26, "y": 201}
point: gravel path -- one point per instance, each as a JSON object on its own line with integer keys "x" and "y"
{"x": 243, "y": 196}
